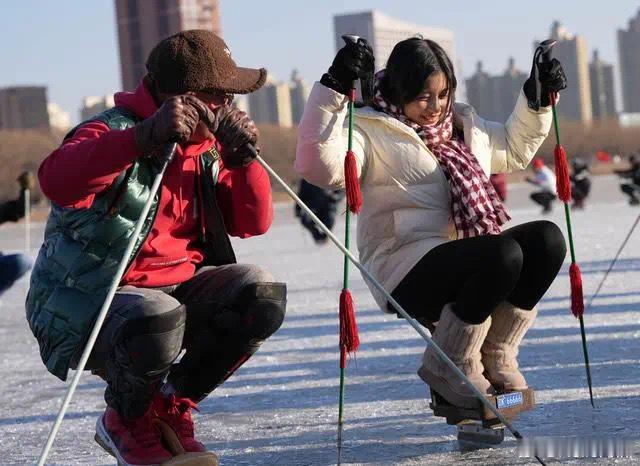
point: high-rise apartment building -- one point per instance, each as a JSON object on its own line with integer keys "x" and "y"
{"x": 93, "y": 105}
{"x": 480, "y": 93}
{"x": 143, "y": 23}
{"x": 272, "y": 104}
{"x": 494, "y": 97}
{"x": 299, "y": 94}
{"x": 602, "y": 88}
{"x": 508, "y": 87}
{"x": 629, "y": 56}
{"x": 384, "y": 32}
{"x": 571, "y": 51}
{"x": 24, "y": 107}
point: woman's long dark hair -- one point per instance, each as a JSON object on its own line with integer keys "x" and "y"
{"x": 410, "y": 64}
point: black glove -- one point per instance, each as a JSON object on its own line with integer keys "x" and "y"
{"x": 234, "y": 130}
{"x": 552, "y": 79}
{"x": 353, "y": 61}
{"x": 174, "y": 121}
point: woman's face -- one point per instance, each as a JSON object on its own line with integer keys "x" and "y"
{"x": 431, "y": 103}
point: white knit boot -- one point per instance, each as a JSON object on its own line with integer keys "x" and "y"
{"x": 500, "y": 348}
{"x": 461, "y": 342}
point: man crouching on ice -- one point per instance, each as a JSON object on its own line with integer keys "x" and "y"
{"x": 183, "y": 288}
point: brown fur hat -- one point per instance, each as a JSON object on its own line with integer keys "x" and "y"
{"x": 199, "y": 60}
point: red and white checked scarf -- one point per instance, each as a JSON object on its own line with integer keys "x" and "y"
{"x": 476, "y": 208}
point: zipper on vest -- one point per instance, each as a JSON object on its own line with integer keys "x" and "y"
{"x": 153, "y": 220}
{"x": 200, "y": 198}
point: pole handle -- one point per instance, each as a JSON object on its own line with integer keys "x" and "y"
{"x": 546, "y": 47}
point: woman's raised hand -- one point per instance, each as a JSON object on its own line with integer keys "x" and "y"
{"x": 353, "y": 61}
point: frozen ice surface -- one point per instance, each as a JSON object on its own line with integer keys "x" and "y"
{"x": 281, "y": 407}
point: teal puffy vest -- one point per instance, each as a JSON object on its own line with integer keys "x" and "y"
{"x": 82, "y": 249}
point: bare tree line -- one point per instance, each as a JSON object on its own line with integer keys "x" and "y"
{"x": 25, "y": 150}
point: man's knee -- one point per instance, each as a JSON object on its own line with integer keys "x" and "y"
{"x": 149, "y": 343}
{"x": 251, "y": 273}
{"x": 262, "y": 306}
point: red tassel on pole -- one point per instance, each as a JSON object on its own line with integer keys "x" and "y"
{"x": 577, "y": 299}
{"x": 563, "y": 184}
{"x": 349, "y": 338}
{"x": 352, "y": 184}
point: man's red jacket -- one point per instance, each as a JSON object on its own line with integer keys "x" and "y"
{"x": 88, "y": 162}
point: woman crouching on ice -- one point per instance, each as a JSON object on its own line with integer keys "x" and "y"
{"x": 429, "y": 229}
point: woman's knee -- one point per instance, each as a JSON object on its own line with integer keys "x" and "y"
{"x": 550, "y": 239}
{"x": 508, "y": 257}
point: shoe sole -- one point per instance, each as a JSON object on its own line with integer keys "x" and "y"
{"x": 103, "y": 439}
{"x": 439, "y": 385}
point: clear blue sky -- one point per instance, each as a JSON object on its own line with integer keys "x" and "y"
{"x": 71, "y": 45}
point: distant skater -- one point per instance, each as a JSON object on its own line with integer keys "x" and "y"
{"x": 545, "y": 180}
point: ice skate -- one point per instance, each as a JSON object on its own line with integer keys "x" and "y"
{"x": 477, "y": 425}
{"x": 461, "y": 342}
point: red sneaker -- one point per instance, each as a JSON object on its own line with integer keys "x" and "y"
{"x": 176, "y": 413}
{"x": 132, "y": 441}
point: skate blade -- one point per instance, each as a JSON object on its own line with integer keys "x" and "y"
{"x": 193, "y": 459}
{"x": 474, "y": 436}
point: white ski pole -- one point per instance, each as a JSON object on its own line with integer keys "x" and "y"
{"x": 168, "y": 152}
{"x": 393, "y": 302}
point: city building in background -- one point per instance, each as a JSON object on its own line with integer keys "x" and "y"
{"x": 629, "y": 63}
{"x": 384, "y": 32}
{"x": 58, "y": 118}
{"x": 508, "y": 88}
{"x": 143, "y": 23}
{"x": 299, "y": 94}
{"x": 272, "y": 104}
{"x": 571, "y": 50}
{"x": 93, "y": 105}
{"x": 494, "y": 97}
{"x": 602, "y": 88}
{"x": 480, "y": 92}
{"x": 24, "y": 107}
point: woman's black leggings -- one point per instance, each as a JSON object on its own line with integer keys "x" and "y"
{"x": 476, "y": 274}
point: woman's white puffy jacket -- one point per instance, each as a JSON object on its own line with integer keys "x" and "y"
{"x": 406, "y": 208}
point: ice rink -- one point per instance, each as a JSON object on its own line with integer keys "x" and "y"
{"x": 281, "y": 407}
